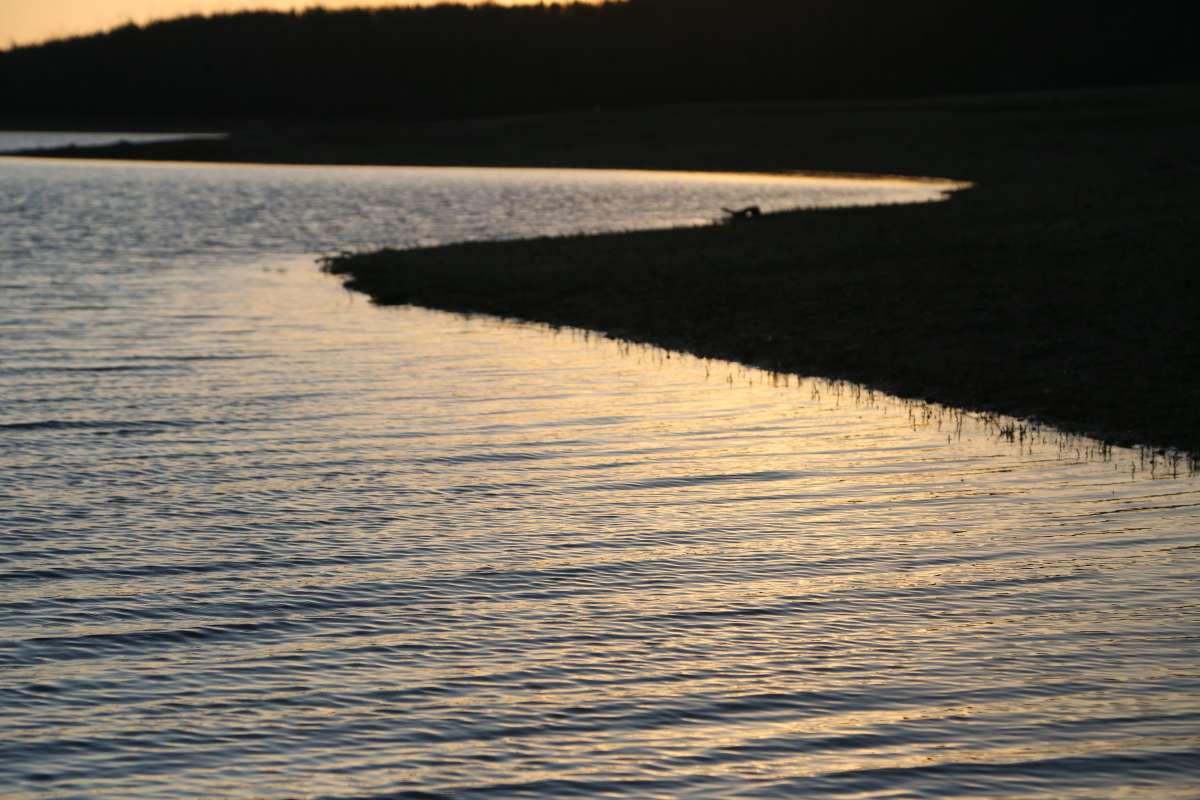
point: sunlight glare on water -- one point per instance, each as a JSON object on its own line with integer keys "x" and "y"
{"x": 266, "y": 540}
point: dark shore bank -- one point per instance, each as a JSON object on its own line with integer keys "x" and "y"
{"x": 1065, "y": 286}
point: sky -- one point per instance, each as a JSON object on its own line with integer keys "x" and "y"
{"x": 31, "y": 21}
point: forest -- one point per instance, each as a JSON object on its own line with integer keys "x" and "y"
{"x": 453, "y": 61}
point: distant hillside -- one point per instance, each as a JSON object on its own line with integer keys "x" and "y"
{"x": 447, "y": 61}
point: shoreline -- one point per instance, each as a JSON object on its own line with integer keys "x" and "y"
{"x": 1061, "y": 288}
{"x": 509, "y": 280}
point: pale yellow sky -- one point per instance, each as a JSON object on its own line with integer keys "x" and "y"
{"x": 29, "y": 21}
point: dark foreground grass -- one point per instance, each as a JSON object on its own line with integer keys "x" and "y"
{"x": 1065, "y": 286}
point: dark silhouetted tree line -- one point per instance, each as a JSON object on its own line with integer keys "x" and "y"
{"x": 455, "y": 60}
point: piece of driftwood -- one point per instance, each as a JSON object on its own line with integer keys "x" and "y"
{"x": 749, "y": 212}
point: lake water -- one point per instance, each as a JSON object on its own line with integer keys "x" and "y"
{"x": 262, "y": 539}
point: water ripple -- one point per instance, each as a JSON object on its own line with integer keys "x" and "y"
{"x": 262, "y": 539}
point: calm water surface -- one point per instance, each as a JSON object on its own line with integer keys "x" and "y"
{"x": 264, "y": 540}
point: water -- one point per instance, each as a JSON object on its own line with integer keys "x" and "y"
{"x": 265, "y": 540}
{"x": 14, "y": 141}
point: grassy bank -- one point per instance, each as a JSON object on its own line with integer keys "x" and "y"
{"x": 1065, "y": 286}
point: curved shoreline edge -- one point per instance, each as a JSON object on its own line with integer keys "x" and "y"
{"x": 1063, "y": 287}
{"x": 848, "y": 294}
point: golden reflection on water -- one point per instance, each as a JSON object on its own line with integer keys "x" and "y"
{"x": 391, "y": 550}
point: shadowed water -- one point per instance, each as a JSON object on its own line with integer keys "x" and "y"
{"x": 265, "y": 540}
